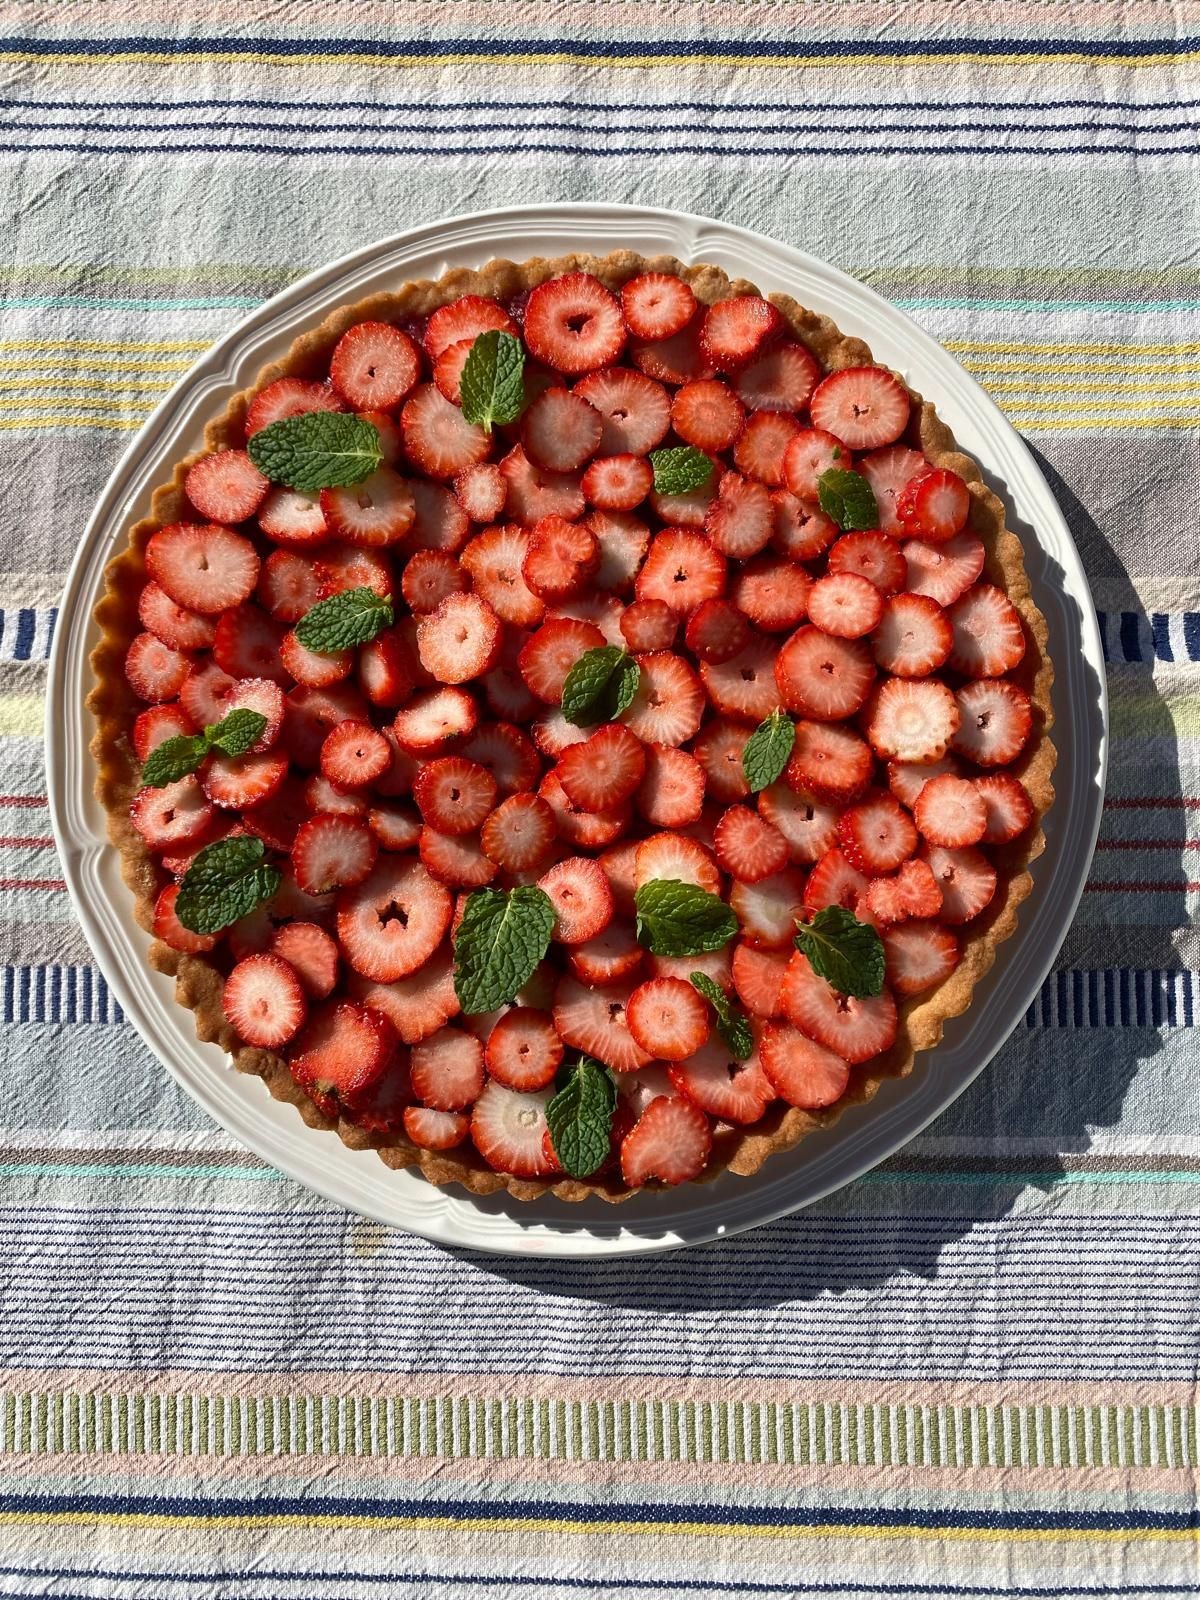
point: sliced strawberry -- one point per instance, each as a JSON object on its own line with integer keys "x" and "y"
{"x": 466, "y": 318}
{"x": 560, "y": 558}
{"x": 523, "y": 1051}
{"x": 509, "y": 1131}
{"x": 671, "y": 793}
{"x": 431, "y": 722}
{"x": 604, "y": 611}
{"x": 460, "y": 640}
{"x": 481, "y": 491}
{"x": 919, "y": 956}
{"x": 741, "y": 519}
{"x": 287, "y": 586}
{"x": 178, "y": 628}
{"x": 989, "y": 639}
{"x": 772, "y": 592}
{"x": 374, "y": 365}
{"x": 674, "y": 856}
{"x": 906, "y": 779}
{"x": 801, "y": 532}
{"x": 650, "y": 625}
{"x": 635, "y": 412}
{"x": 996, "y": 719}
{"x": 829, "y": 762}
{"x": 736, "y": 331}
{"x": 689, "y": 510}
{"x": 354, "y": 755}
{"x": 154, "y": 671}
{"x": 455, "y": 858}
{"x": 375, "y": 512}
{"x": 454, "y": 795}
{"x": 618, "y": 482}
{"x": 913, "y": 720}
{"x": 278, "y": 819}
{"x": 552, "y": 651}
{"x": 435, "y": 1130}
{"x": 428, "y": 578}
{"x": 758, "y": 978}
{"x": 226, "y": 487}
{"x": 801, "y": 1071}
{"x": 447, "y": 1070}
{"x": 872, "y": 556}
{"x": 613, "y": 954}
{"x": 669, "y": 703}
{"x": 382, "y": 1110}
{"x": 770, "y": 909}
{"x": 573, "y": 324}
{"x": 966, "y": 878}
{"x": 668, "y": 1018}
{"x": 437, "y": 437}
{"x": 951, "y": 811}
{"x": 171, "y": 931}
{"x": 866, "y": 407}
{"x": 242, "y": 782}
{"x": 781, "y": 380}
{"x": 620, "y": 868}
{"x": 889, "y": 472}
{"x": 657, "y": 305}
{"x": 834, "y": 882}
{"x": 943, "y": 571}
{"x": 288, "y": 397}
{"x": 560, "y": 430}
{"x": 494, "y": 561}
{"x": 174, "y": 817}
{"x": 204, "y": 693}
{"x": 913, "y": 892}
{"x": 877, "y": 834}
{"x": 321, "y": 795}
{"x": 763, "y": 446}
{"x": 676, "y": 360}
{"x": 748, "y": 847}
{"x": 316, "y": 669}
{"x": 594, "y": 1022}
{"x": 264, "y": 697}
{"x": 707, "y": 414}
{"x": 552, "y": 734}
{"x": 311, "y": 713}
{"x": 914, "y": 636}
{"x": 934, "y": 505}
{"x": 508, "y": 695}
{"x": 417, "y": 1005}
{"x": 604, "y": 770}
{"x": 716, "y": 631}
{"x": 587, "y": 830}
{"x": 201, "y": 566}
{"x": 823, "y": 678}
{"x": 671, "y": 1143}
{"x": 391, "y": 923}
{"x": 340, "y": 1056}
{"x": 395, "y": 827}
{"x": 1007, "y": 807}
{"x": 533, "y": 492}
{"x": 157, "y": 723}
{"x": 291, "y": 518}
{"x": 809, "y": 828}
{"x": 439, "y": 521}
{"x": 448, "y": 369}
{"x": 263, "y": 1001}
{"x": 856, "y": 1029}
{"x": 246, "y": 644}
{"x": 342, "y": 566}
{"x": 507, "y": 754}
{"x": 311, "y": 954}
{"x": 845, "y": 605}
{"x": 719, "y": 751}
{"x": 332, "y": 851}
{"x": 744, "y": 686}
{"x": 810, "y": 453}
{"x": 582, "y": 900}
{"x": 682, "y": 569}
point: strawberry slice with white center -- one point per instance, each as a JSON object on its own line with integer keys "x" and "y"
{"x": 730, "y": 1090}
{"x": 772, "y": 592}
{"x": 635, "y": 412}
{"x": 439, "y": 522}
{"x": 171, "y": 931}
{"x": 716, "y": 631}
{"x": 801, "y": 1071}
{"x": 834, "y": 881}
{"x": 494, "y": 560}
{"x": 811, "y": 452}
{"x": 943, "y": 571}
{"x": 913, "y": 892}
{"x": 437, "y": 437}
{"x": 456, "y": 859}
{"x": 573, "y": 323}
{"x": 395, "y": 827}
{"x": 670, "y": 1142}
{"x": 609, "y": 956}
{"x": 913, "y": 720}
{"x": 671, "y": 794}
{"x": 242, "y": 782}
{"x": 454, "y": 795}
{"x": 758, "y": 978}
{"x": 509, "y": 1131}
{"x": 951, "y": 811}
{"x": 560, "y": 430}
{"x": 906, "y": 779}
{"x": 549, "y": 654}
{"x": 374, "y": 513}
{"x": 688, "y": 510}
{"x": 582, "y": 900}
{"x": 201, "y": 566}
{"x": 604, "y": 770}
{"x": 322, "y": 795}
{"x": 808, "y": 827}
{"x": 989, "y": 639}
{"x": 889, "y": 472}
{"x": 431, "y": 722}
{"x": 676, "y": 360}
{"x": 173, "y": 817}
{"x": 914, "y": 636}
{"x": 316, "y": 669}
{"x": 604, "y": 611}
{"x": 865, "y": 407}
{"x": 781, "y": 380}
{"x": 594, "y": 1022}
{"x": 226, "y": 486}
{"x": 391, "y": 923}
{"x": 288, "y": 397}
{"x": 332, "y": 851}
{"x": 354, "y": 755}
{"x": 417, "y": 1005}
{"x": 292, "y": 518}
{"x": 311, "y": 954}
{"x": 246, "y": 644}
{"x": 657, "y": 305}
{"x": 205, "y": 693}
{"x": 741, "y": 520}
{"x": 744, "y": 686}
{"x": 157, "y": 723}
{"x": 845, "y": 605}
{"x": 748, "y": 847}
{"x": 465, "y": 319}
{"x": 996, "y": 719}
{"x": 448, "y": 369}
{"x": 763, "y": 445}
{"x": 586, "y": 830}
{"x": 533, "y": 492}
{"x": 735, "y": 331}
{"x": 719, "y": 750}
{"x": 519, "y": 833}
{"x": 919, "y": 956}
{"x": 669, "y": 1018}
{"x": 523, "y": 1051}
{"x": 560, "y": 558}
{"x": 682, "y": 569}
{"x": 934, "y": 505}
{"x": 872, "y": 556}
{"x": 966, "y": 878}
{"x": 460, "y": 640}
{"x": 802, "y": 533}
{"x": 618, "y": 483}
{"x": 177, "y": 628}
{"x": 341, "y": 1055}
{"x": 877, "y": 834}
{"x": 287, "y": 586}
{"x": 675, "y": 856}
{"x": 480, "y": 490}
{"x": 429, "y": 576}
{"x": 769, "y": 909}
{"x": 374, "y": 365}
{"x": 829, "y": 762}
{"x": 447, "y": 1070}
{"x": 153, "y": 670}
{"x": 1007, "y": 807}
{"x": 855, "y": 1028}
{"x": 264, "y": 1002}
{"x": 707, "y": 414}
{"x": 435, "y": 1130}
{"x": 823, "y": 678}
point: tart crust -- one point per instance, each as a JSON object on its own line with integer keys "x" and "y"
{"x": 198, "y": 981}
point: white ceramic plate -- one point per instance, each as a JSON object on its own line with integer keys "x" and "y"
{"x": 822, "y": 1163}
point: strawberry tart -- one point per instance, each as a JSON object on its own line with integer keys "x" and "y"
{"x": 577, "y": 726}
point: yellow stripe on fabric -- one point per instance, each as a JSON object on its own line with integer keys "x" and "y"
{"x": 1056, "y": 367}
{"x": 1122, "y": 424}
{"x": 105, "y": 385}
{"x": 21, "y": 714}
{"x": 130, "y": 425}
{"x": 107, "y": 345}
{"x": 1070, "y": 348}
{"x": 1118, "y": 385}
{"x": 80, "y": 364}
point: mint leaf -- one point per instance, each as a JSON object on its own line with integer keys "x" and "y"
{"x": 580, "y": 1118}
{"x": 680, "y": 469}
{"x": 500, "y": 940}
{"x": 731, "y": 1021}
{"x": 679, "y": 919}
{"x": 848, "y": 498}
{"x": 767, "y": 750}
{"x": 492, "y": 384}
{"x": 600, "y": 685}
{"x": 224, "y": 883}
{"x": 237, "y": 732}
{"x": 174, "y": 759}
{"x": 317, "y": 450}
{"x": 344, "y": 620}
{"x": 845, "y": 952}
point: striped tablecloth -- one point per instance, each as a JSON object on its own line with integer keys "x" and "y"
{"x": 972, "y": 1373}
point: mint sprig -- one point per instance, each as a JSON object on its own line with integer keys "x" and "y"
{"x": 503, "y": 935}
{"x": 492, "y": 384}
{"x": 175, "y": 758}
{"x": 767, "y": 750}
{"x": 317, "y": 450}
{"x": 580, "y": 1117}
{"x": 731, "y": 1021}
{"x": 847, "y": 953}
{"x": 344, "y": 620}
{"x": 600, "y": 685}
{"x": 848, "y": 498}
{"x": 680, "y": 919}
{"x": 225, "y": 882}
{"x": 679, "y": 469}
